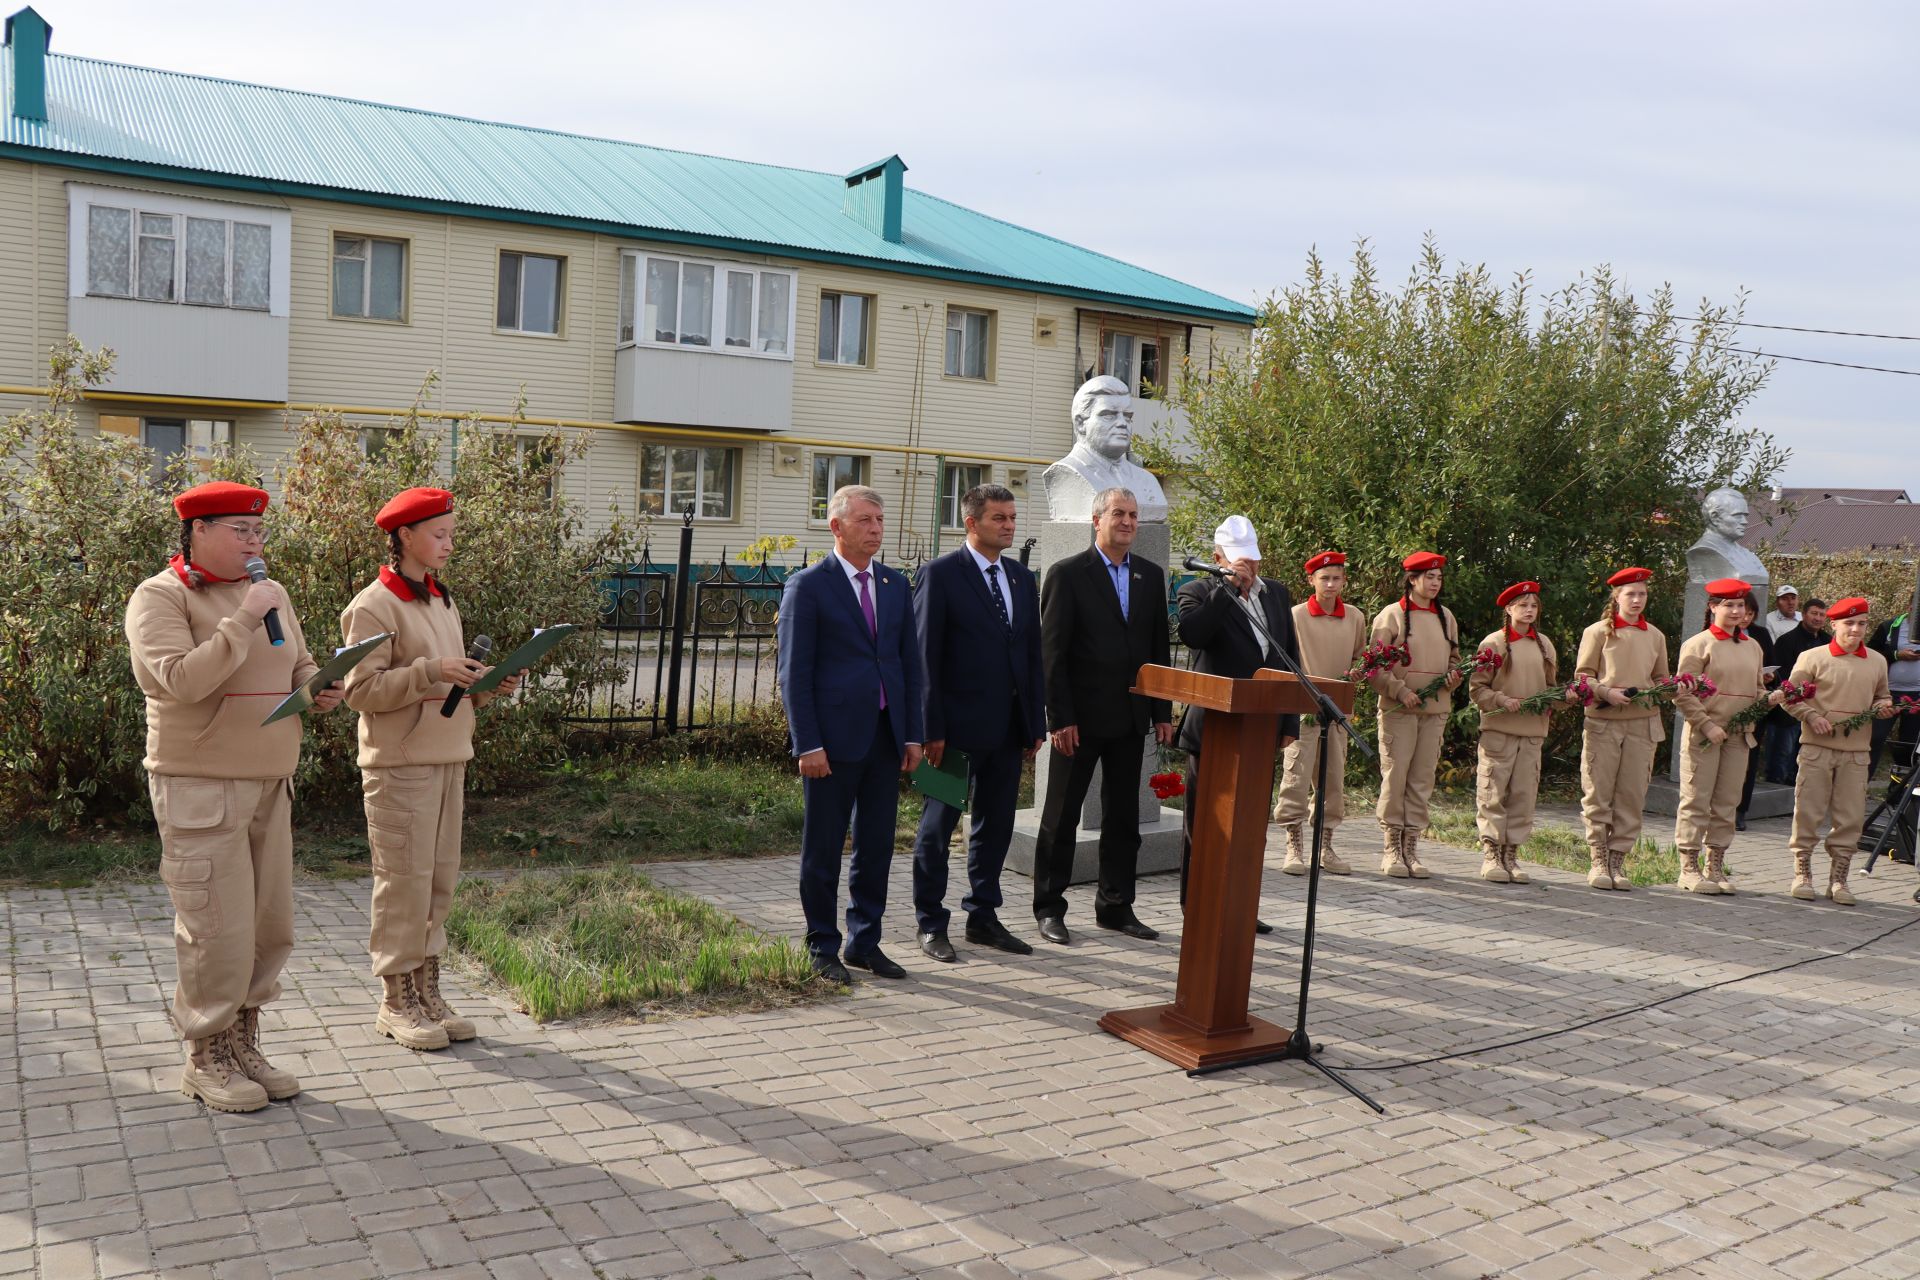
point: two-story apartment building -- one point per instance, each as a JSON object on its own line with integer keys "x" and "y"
{"x": 732, "y": 337}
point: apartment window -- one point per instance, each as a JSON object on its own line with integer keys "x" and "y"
{"x": 677, "y": 478}
{"x": 832, "y": 471}
{"x": 375, "y": 441}
{"x": 172, "y": 257}
{"x": 197, "y": 439}
{"x": 955, "y": 480}
{"x": 1116, "y": 356}
{"x": 369, "y": 278}
{"x": 969, "y": 341}
{"x": 731, "y": 307}
{"x": 1134, "y": 360}
{"x": 843, "y": 327}
{"x": 529, "y": 295}
{"x": 1150, "y": 374}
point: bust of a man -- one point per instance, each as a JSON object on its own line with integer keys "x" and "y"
{"x": 1718, "y": 553}
{"x": 1102, "y": 434}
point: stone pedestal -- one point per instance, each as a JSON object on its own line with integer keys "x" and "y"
{"x": 1159, "y": 829}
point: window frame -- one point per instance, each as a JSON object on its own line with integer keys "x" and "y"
{"x": 1159, "y": 340}
{"x": 869, "y": 327}
{"x": 334, "y": 236}
{"x": 863, "y": 474}
{"x": 137, "y": 211}
{"x": 736, "y": 473}
{"x": 559, "y": 330}
{"x": 989, "y": 340}
{"x": 950, "y": 503}
{"x": 642, "y": 259}
{"x": 277, "y": 222}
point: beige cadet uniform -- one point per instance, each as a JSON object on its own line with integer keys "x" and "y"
{"x": 1617, "y": 743}
{"x": 413, "y": 764}
{"x": 1832, "y": 784}
{"x": 222, "y": 788}
{"x": 1329, "y": 645}
{"x": 1712, "y": 777}
{"x": 1509, "y": 774}
{"x": 1410, "y": 738}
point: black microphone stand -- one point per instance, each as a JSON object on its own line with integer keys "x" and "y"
{"x": 1299, "y": 1045}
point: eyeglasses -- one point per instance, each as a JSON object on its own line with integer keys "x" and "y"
{"x": 245, "y": 532}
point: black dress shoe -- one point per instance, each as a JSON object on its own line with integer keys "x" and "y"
{"x": 830, "y": 968}
{"x": 934, "y": 943}
{"x": 1128, "y": 924}
{"x": 989, "y": 932}
{"x": 1740, "y": 820}
{"x": 1054, "y": 929}
{"x": 876, "y": 963}
{"x": 1261, "y": 926}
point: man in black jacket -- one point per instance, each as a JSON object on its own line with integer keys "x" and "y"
{"x": 1217, "y": 622}
{"x": 1103, "y": 615}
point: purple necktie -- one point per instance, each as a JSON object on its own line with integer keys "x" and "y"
{"x": 873, "y": 623}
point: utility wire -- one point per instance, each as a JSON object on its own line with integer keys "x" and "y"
{"x": 1794, "y": 328}
{"x": 1834, "y": 364}
{"x": 1638, "y": 1008}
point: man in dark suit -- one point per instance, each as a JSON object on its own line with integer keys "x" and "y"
{"x": 1103, "y": 616}
{"x": 851, "y": 680}
{"x": 1217, "y": 623}
{"x": 979, "y": 620}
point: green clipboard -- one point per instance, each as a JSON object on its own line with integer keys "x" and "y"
{"x": 343, "y": 661}
{"x": 946, "y": 781}
{"x": 536, "y": 647}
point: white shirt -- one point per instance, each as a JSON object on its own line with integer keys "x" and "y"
{"x": 982, "y": 563}
{"x": 1778, "y": 623}
{"x": 1250, "y": 603}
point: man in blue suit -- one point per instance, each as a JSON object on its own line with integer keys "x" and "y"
{"x": 979, "y": 618}
{"x": 851, "y": 680}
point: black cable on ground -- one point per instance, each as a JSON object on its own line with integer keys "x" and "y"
{"x": 1638, "y": 1008}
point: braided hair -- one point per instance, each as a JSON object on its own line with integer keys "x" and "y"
{"x": 1406, "y": 613}
{"x": 195, "y": 578}
{"x": 421, "y": 592}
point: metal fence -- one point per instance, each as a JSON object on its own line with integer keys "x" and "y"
{"x": 691, "y": 646}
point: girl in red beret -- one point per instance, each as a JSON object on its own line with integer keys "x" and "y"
{"x": 222, "y": 783}
{"x": 413, "y": 761}
{"x": 1713, "y": 760}
{"x": 1509, "y": 773}
{"x": 1410, "y": 727}
{"x": 1621, "y": 654}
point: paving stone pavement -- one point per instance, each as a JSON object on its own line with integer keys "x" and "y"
{"x": 973, "y": 1122}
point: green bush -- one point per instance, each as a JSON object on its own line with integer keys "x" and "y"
{"x": 84, "y": 521}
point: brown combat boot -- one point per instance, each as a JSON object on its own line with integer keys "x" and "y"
{"x": 402, "y": 1017}
{"x": 1837, "y": 891}
{"x": 426, "y": 980}
{"x": 1510, "y": 858}
{"x": 1717, "y": 869}
{"x": 1410, "y": 852}
{"x": 1331, "y": 862}
{"x": 1617, "y": 868}
{"x": 1493, "y": 863}
{"x": 1391, "y": 862}
{"x": 280, "y": 1084}
{"x": 1599, "y": 861}
{"x": 1802, "y": 876}
{"x": 212, "y": 1075}
{"x": 1691, "y": 878}
{"x": 1296, "y": 863}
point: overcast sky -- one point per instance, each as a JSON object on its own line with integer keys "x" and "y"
{"x": 1715, "y": 146}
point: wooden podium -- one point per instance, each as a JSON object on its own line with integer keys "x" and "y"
{"x": 1207, "y": 1025}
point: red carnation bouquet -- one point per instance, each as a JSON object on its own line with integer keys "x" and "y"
{"x": 1168, "y": 785}
{"x": 1377, "y": 659}
{"x": 1553, "y": 697}
{"x": 1667, "y": 687}
{"x": 1904, "y": 705}
{"x": 1786, "y": 695}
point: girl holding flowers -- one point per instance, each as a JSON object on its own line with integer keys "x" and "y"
{"x": 1524, "y": 665}
{"x": 1713, "y": 750}
{"x": 1414, "y": 701}
{"x": 1621, "y": 655}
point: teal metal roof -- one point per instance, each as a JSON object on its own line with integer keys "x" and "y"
{"x": 118, "y": 118}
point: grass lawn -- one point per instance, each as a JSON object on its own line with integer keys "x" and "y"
{"x": 611, "y": 941}
{"x": 1555, "y": 844}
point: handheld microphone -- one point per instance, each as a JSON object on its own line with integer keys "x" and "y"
{"x": 482, "y": 646}
{"x": 257, "y": 570}
{"x": 1196, "y": 565}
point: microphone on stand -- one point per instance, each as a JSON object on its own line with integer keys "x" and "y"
{"x": 482, "y": 646}
{"x": 257, "y": 571}
{"x": 1194, "y": 564}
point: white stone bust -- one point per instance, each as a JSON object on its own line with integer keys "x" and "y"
{"x": 1102, "y": 435}
{"x": 1718, "y": 553}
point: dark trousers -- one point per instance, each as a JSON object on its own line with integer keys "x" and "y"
{"x": 1186, "y": 820}
{"x": 1068, "y": 779}
{"x": 863, "y": 795}
{"x": 993, "y": 789}
{"x": 1762, "y": 733}
{"x": 1783, "y": 750}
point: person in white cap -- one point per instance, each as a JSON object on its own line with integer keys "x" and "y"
{"x": 1786, "y": 611}
{"x": 1232, "y": 625}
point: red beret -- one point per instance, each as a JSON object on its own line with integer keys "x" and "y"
{"x": 1421, "y": 561}
{"x": 1851, "y": 607}
{"x": 1517, "y": 590}
{"x": 1727, "y": 589}
{"x": 220, "y": 498}
{"x": 1324, "y": 559}
{"x": 1627, "y": 577}
{"x": 410, "y": 506}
